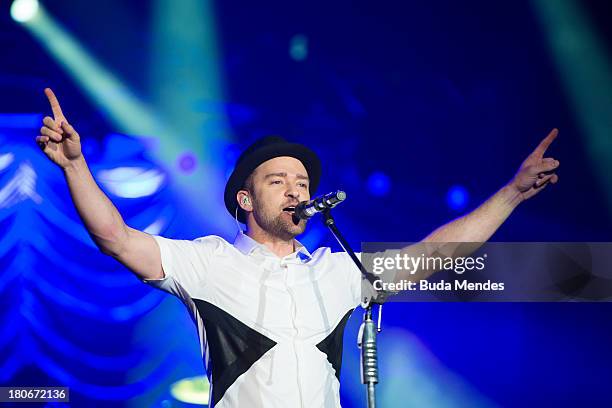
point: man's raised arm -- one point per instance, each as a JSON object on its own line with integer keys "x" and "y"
{"x": 136, "y": 250}
{"x": 464, "y": 235}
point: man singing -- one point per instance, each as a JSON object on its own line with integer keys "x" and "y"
{"x": 270, "y": 314}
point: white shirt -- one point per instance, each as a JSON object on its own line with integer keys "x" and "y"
{"x": 270, "y": 328}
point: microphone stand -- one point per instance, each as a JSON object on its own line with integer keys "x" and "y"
{"x": 366, "y": 339}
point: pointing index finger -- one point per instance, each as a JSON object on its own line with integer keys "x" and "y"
{"x": 55, "y": 106}
{"x": 541, "y": 149}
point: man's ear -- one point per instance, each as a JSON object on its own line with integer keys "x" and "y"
{"x": 244, "y": 200}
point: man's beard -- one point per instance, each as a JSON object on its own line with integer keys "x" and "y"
{"x": 278, "y": 226}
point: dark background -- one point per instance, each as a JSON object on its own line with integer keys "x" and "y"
{"x": 428, "y": 95}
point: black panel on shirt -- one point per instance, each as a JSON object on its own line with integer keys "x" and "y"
{"x": 332, "y": 344}
{"x": 233, "y": 346}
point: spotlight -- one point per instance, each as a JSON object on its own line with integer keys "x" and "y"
{"x": 298, "y": 47}
{"x": 23, "y": 11}
{"x": 193, "y": 390}
{"x": 379, "y": 184}
{"x": 187, "y": 162}
{"x": 457, "y": 197}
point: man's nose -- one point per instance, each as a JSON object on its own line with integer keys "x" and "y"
{"x": 293, "y": 193}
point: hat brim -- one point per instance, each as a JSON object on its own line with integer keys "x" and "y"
{"x": 245, "y": 167}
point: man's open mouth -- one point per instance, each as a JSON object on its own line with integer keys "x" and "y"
{"x": 291, "y": 210}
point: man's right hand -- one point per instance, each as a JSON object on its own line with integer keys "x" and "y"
{"x": 58, "y": 140}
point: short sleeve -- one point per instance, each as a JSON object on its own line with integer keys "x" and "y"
{"x": 353, "y": 276}
{"x": 183, "y": 262}
{"x": 360, "y": 286}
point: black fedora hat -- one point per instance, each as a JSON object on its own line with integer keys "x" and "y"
{"x": 260, "y": 151}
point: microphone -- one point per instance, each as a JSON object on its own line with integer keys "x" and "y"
{"x": 306, "y": 209}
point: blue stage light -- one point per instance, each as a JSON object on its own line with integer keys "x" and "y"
{"x": 187, "y": 162}
{"x": 379, "y": 184}
{"x": 457, "y": 197}
{"x": 298, "y": 48}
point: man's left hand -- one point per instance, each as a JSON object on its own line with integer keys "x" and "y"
{"x": 537, "y": 171}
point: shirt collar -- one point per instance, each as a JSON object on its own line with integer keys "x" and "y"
{"x": 247, "y": 245}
